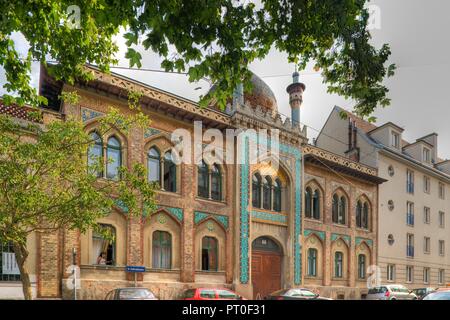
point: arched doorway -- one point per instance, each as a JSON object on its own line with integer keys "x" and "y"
{"x": 266, "y": 267}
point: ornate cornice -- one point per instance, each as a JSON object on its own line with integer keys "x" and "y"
{"x": 342, "y": 161}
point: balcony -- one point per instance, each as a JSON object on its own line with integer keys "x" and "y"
{"x": 410, "y": 219}
{"x": 410, "y": 251}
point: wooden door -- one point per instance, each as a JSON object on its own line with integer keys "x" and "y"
{"x": 266, "y": 273}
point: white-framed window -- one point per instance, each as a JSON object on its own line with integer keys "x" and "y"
{"x": 426, "y": 244}
{"x": 409, "y": 274}
{"x": 390, "y": 272}
{"x": 410, "y": 213}
{"x": 441, "y": 247}
{"x": 395, "y": 140}
{"x": 441, "y": 190}
{"x": 441, "y": 219}
{"x": 441, "y": 276}
{"x": 426, "y": 157}
{"x": 426, "y": 184}
{"x": 426, "y": 275}
{"x": 409, "y": 181}
{"x": 426, "y": 215}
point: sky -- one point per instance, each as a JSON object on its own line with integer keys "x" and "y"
{"x": 417, "y": 32}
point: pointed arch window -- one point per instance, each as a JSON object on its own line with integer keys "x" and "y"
{"x": 95, "y": 155}
{"x": 267, "y": 193}
{"x": 338, "y": 264}
{"x": 359, "y": 214}
{"x": 114, "y": 158}
{"x": 312, "y": 262}
{"x": 342, "y": 210}
{"x": 203, "y": 180}
{"x": 169, "y": 173}
{"x": 256, "y": 190}
{"x": 308, "y": 203}
{"x": 361, "y": 266}
{"x": 161, "y": 250}
{"x": 316, "y": 205}
{"x": 335, "y": 208}
{"x": 277, "y": 196}
{"x": 365, "y": 216}
{"x": 216, "y": 183}
{"x": 154, "y": 165}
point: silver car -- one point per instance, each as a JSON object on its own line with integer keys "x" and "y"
{"x": 391, "y": 292}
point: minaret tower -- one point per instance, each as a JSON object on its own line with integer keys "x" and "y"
{"x": 295, "y": 90}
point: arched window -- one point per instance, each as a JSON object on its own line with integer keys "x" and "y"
{"x": 308, "y": 203}
{"x": 338, "y": 264}
{"x": 104, "y": 245}
{"x": 209, "y": 254}
{"x": 365, "y": 216}
{"x": 335, "y": 209}
{"x": 267, "y": 193}
{"x": 170, "y": 173}
{"x": 312, "y": 262}
{"x": 359, "y": 214}
{"x": 95, "y": 155}
{"x": 114, "y": 158}
{"x": 361, "y": 266}
{"x": 342, "y": 210}
{"x": 256, "y": 190}
{"x": 316, "y": 205}
{"x": 216, "y": 183}
{"x": 154, "y": 165}
{"x": 203, "y": 180}
{"x": 277, "y": 196}
{"x": 161, "y": 250}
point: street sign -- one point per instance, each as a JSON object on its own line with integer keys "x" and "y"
{"x": 135, "y": 268}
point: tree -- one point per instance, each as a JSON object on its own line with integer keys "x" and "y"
{"x": 48, "y": 183}
{"x": 211, "y": 38}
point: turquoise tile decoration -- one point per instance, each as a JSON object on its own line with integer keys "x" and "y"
{"x": 320, "y": 234}
{"x": 244, "y": 203}
{"x": 200, "y": 216}
{"x": 88, "y": 114}
{"x": 176, "y": 212}
{"x": 151, "y": 132}
{"x": 272, "y": 217}
{"x": 121, "y": 205}
{"x": 335, "y": 236}
{"x": 358, "y": 241}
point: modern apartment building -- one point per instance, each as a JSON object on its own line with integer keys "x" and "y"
{"x": 413, "y": 234}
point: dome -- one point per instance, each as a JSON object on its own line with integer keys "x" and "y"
{"x": 260, "y": 95}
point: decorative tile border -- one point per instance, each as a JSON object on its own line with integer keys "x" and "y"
{"x": 176, "y": 212}
{"x": 121, "y": 205}
{"x": 358, "y": 241}
{"x": 244, "y": 219}
{"x": 151, "y": 132}
{"x": 200, "y": 216}
{"x": 335, "y": 236}
{"x": 270, "y": 217}
{"x": 320, "y": 234}
{"x": 88, "y": 114}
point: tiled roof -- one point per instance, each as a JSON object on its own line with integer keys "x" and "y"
{"x": 18, "y": 112}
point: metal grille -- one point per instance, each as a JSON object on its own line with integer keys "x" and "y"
{"x": 7, "y": 248}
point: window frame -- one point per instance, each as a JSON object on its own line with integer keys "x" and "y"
{"x": 162, "y": 245}
{"x": 111, "y": 148}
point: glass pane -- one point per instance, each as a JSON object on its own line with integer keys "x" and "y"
{"x": 203, "y": 181}
{"x": 114, "y": 157}
{"x": 169, "y": 173}
{"x": 210, "y": 294}
{"x": 216, "y": 184}
{"x": 225, "y": 294}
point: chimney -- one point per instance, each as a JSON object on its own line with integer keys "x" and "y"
{"x": 295, "y": 91}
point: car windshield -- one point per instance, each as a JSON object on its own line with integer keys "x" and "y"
{"x": 126, "y": 294}
{"x": 438, "y": 296}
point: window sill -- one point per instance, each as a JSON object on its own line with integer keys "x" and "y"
{"x": 210, "y": 272}
{"x": 101, "y": 267}
{"x": 363, "y": 230}
{"x": 169, "y": 193}
{"x": 340, "y": 225}
{"x": 268, "y": 211}
{"x": 153, "y": 270}
{"x": 313, "y": 220}
{"x": 211, "y": 200}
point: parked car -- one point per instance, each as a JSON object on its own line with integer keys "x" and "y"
{"x": 211, "y": 294}
{"x": 422, "y": 292}
{"x": 130, "y": 294}
{"x": 439, "y": 294}
{"x": 390, "y": 292}
{"x": 295, "y": 294}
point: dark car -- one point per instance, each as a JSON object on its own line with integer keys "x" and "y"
{"x": 295, "y": 294}
{"x": 130, "y": 294}
{"x": 442, "y": 294}
{"x": 422, "y": 292}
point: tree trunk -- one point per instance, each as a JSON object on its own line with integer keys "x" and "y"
{"x": 21, "y": 253}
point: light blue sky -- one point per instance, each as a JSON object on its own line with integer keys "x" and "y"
{"x": 417, "y": 31}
